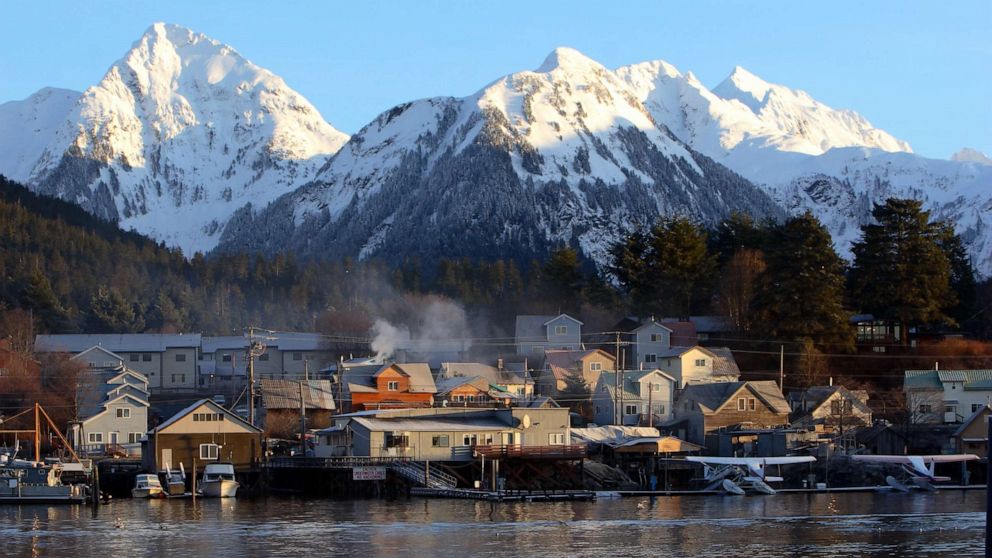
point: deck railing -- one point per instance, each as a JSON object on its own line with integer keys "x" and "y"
{"x": 532, "y": 452}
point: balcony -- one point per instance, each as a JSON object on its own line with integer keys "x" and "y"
{"x": 531, "y": 452}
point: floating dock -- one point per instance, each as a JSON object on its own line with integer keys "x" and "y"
{"x": 505, "y": 495}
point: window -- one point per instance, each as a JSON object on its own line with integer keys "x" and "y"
{"x": 655, "y": 387}
{"x": 975, "y": 407}
{"x": 655, "y": 337}
{"x": 556, "y": 439}
{"x": 838, "y": 407}
{"x": 96, "y": 437}
{"x": 134, "y": 357}
{"x": 658, "y": 409}
{"x": 146, "y": 358}
{"x": 134, "y": 437}
{"x": 181, "y": 378}
{"x": 208, "y": 417}
{"x": 180, "y": 357}
{"x": 393, "y": 385}
{"x": 4, "y": 372}
{"x": 750, "y": 404}
{"x": 297, "y": 356}
{"x": 741, "y": 404}
{"x": 926, "y": 409}
{"x": 225, "y": 358}
{"x": 595, "y": 366}
{"x": 439, "y": 441}
{"x": 950, "y": 409}
{"x": 878, "y": 348}
{"x": 700, "y": 362}
{"x": 469, "y": 439}
{"x": 630, "y": 409}
{"x": 209, "y": 451}
{"x": 397, "y": 440}
{"x": 651, "y": 357}
{"x": 123, "y": 413}
{"x": 561, "y": 330}
{"x": 263, "y": 357}
{"x": 488, "y": 439}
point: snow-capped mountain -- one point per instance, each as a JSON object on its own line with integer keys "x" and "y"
{"x": 178, "y": 134}
{"x": 969, "y": 155}
{"x": 563, "y": 154}
{"x": 808, "y": 156}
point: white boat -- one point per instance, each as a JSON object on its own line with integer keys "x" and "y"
{"x": 147, "y": 486}
{"x": 218, "y": 481}
{"x": 30, "y": 482}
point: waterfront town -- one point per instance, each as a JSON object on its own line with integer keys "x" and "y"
{"x": 653, "y": 406}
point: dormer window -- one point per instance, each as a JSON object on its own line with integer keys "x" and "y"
{"x": 393, "y": 385}
{"x": 561, "y": 330}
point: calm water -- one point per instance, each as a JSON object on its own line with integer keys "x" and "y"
{"x": 948, "y": 523}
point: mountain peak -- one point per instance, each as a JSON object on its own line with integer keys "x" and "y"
{"x": 743, "y": 81}
{"x": 565, "y": 57}
{"x": 969, "y": 155}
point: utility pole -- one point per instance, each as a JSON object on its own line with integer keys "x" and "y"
{"x": 650, "y": 407}
{"x": 255, "y": 348}
{"x": 306, "y": 370}
{"x": 617, "y": 412}
{"x": 303, "y": 422}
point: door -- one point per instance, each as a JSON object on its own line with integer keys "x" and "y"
{"x": 113, "y": 438}
{"x": 166, "y": 458}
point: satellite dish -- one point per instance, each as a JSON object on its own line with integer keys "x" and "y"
{"x": 525, "y": 422}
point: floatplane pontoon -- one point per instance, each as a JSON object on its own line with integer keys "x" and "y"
{"x": 917, "y": 469}
{"x": 736, "y": 475}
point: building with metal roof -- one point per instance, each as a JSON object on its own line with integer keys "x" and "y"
{"x": 946, "y": 396}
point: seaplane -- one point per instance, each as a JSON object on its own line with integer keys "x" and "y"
{"x": 918, "y": 470}
{"x": 736, "y": 475}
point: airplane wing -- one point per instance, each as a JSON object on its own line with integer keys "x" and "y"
{"x": 749, "y": 461}
{"x": 913, "y": 459}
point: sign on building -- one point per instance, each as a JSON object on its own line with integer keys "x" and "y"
{"x": 368, "y": 473}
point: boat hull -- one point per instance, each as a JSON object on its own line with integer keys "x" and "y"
{"x": 146, "y": 493}
{"x": 220, "y": 488}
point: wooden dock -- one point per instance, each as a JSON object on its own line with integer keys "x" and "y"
{"x": 505, "y": 495}
{"x": 635, "y": 493}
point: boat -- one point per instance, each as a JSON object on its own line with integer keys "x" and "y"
{"x": 34, "y": 482}
{"x": 218, "y": 481}
{"x": 147, "y": 486}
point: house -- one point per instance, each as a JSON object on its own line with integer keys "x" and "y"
{"x": 464, "y": 391}
{"x": 169, "y": 361}
{"x": 704, "y": 408}
{"x": 112, "y": 406}
{"x": 646, "y": 398}
{"x": 287, "y": 356}
{"x": 282, "y": 401}
{"x": 705, "y": 329}
{"x": 946, "y": 396}
{"x": 202, "y": 433}
{"x": 973, "y": 434}
{"x": 536, "y": 334}
{"x": 833, "y": 406}
{"x": 559, "y": 364}
{"x": 378, "y": 386}
{"x": 642, "y": 341}
{"x": 445, "y": 434}
{"x": 881, "y": 439}
{"x": 698, "y": 365}
{"x": 517, "y": 382}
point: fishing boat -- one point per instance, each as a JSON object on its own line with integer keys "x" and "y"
{"x": 147, "y": 486}
{"x": 218, "y": 481}
{"x": 34, "y": 482}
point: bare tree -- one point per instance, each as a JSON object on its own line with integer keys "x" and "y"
{"x": 738, "y": 286}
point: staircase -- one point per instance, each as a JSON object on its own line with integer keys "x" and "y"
{"x": 417, "y": 472}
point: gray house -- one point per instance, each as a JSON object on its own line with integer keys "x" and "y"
{"x": 646, "y": 397}
{"x": 112, "y": 406}
{"x": 536, "y": 334}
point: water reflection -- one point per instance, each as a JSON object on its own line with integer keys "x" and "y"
{"x": 783, "y": 525}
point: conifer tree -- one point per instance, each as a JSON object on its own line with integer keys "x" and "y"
{"x": 900, "y": 270}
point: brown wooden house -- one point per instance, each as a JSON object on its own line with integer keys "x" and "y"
{"x": 704, "y": 408}
{"x": 204, "y": 432}
{"x": 281, "y": 401}
{"x": 390, "y": 386}
{"x": 973, "y": 435}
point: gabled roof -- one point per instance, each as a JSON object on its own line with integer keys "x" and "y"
{"x": 421, "y": 379}
{"x": 364, "y": 377}
{"x": 446, "y": 385}
{"x": 562, "y": 362}
{"x": 285, "y": 394}
{"x": 432, "y": 424}
{"x": 711, "y": 397}
{"x": 116, "y": 342}
{"x": 112, "y": 356}
{"x": 631, "y": 382}
{"x": 474, "y": 369}
{"x": 817, "y": 396}
{"x": 974, "y": 380}
{"x": 679, "y": 351}
{"x": 724, "y": 363}
{"x": 214, "y": 407}
{"x": 532, "y": 327}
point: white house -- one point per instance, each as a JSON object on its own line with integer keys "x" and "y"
{"x": 112, "y": 405}
{"x": 536, "y": 334}
{"x": 946, "y": 396}
{"x": 698, "y": 365}
{"x": 644, "y": 393}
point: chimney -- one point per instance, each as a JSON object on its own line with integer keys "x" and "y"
{"x": 499, "y": 364}
{"x": 831, "y": 381}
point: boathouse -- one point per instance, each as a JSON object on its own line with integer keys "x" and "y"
{"x": 202, "y": 433}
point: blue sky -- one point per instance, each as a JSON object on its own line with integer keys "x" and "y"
{"x": 919, "y": 70}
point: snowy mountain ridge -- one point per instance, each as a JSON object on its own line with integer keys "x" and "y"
{"x": 178, "y": 134}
